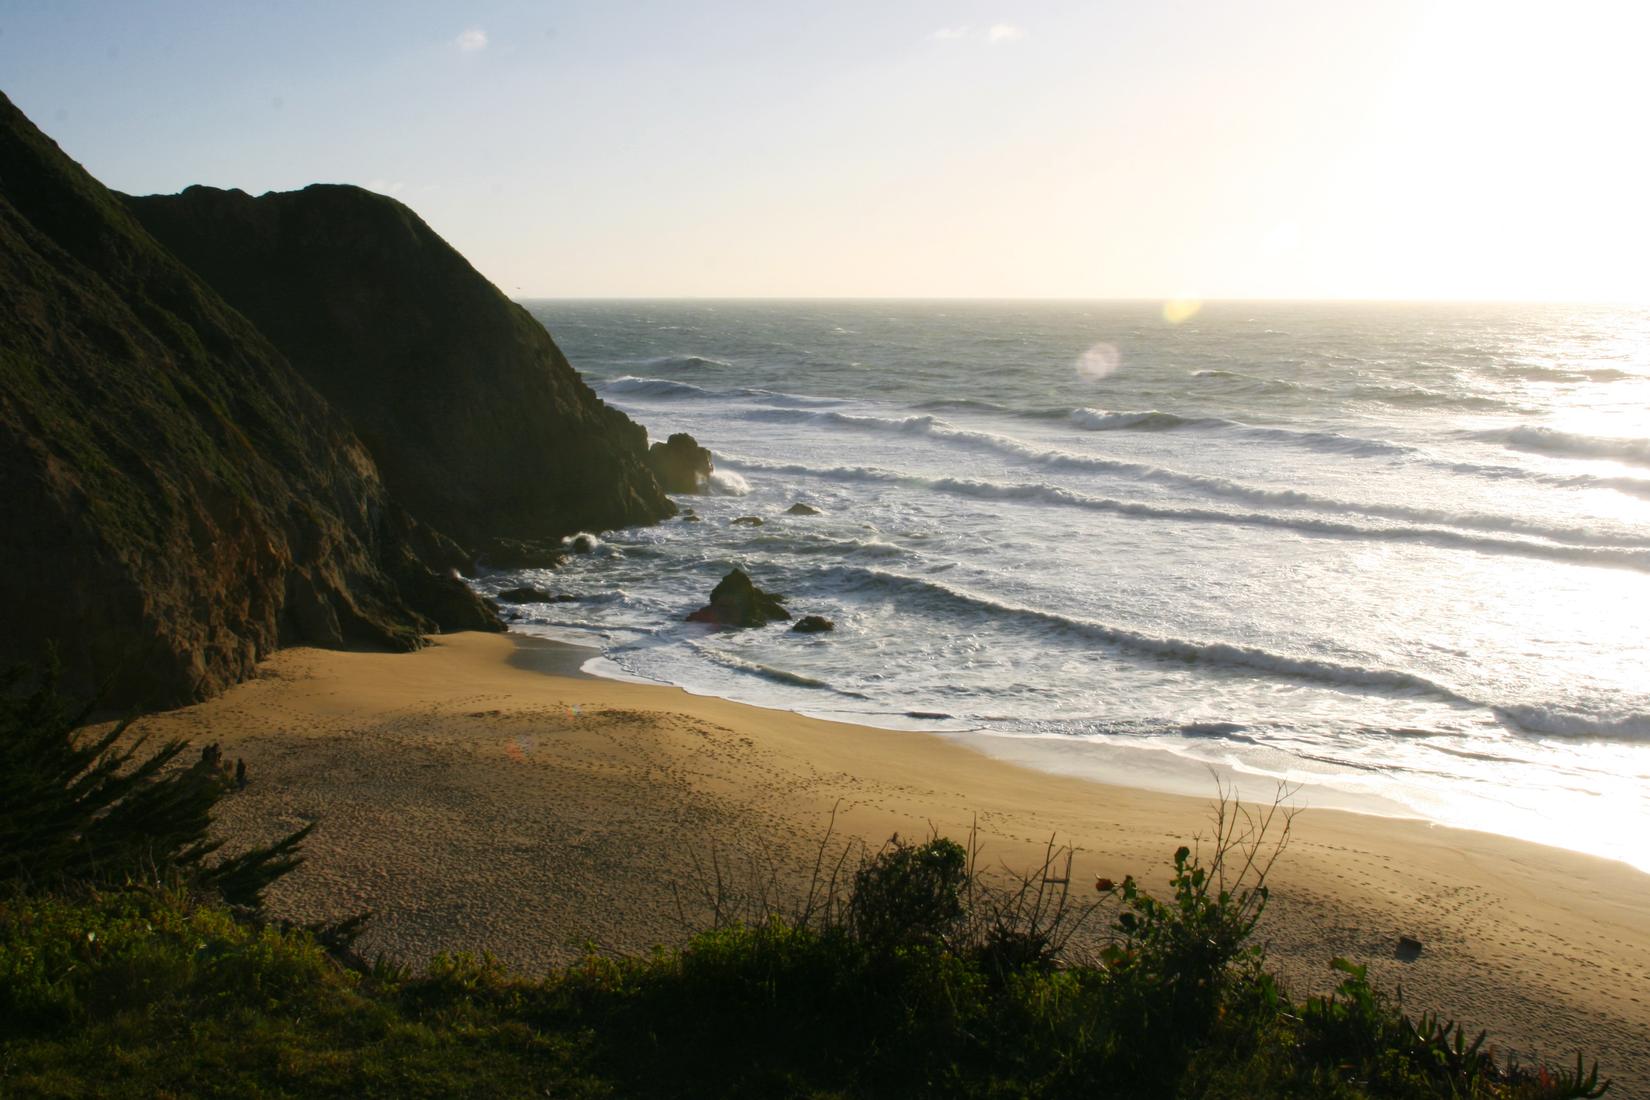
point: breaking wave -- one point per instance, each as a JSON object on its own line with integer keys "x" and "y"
{"x": 1229, "y": 655}
{"x": 1574, "y": 537}
{"x": 1551, "y": 441}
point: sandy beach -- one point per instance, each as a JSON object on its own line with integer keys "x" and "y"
{"x": 481, "y": 794}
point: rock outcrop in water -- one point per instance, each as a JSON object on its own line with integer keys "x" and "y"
{"x": 737, "y": 602}
{"x": 680, "y": 464}
{"x": 472, "y": 414}
{"x": 179, "y": 500}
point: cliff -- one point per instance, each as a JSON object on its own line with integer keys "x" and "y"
{"x": 178, "y": 499}
{"x": 475, "y": 418}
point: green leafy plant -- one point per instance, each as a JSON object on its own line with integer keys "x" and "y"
{"x": 1174, "y": 962}
{"x": 909, "y": 893}
{"x": 78, "y": 807}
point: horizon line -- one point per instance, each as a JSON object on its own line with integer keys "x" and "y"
{"x": 1131, "y": 300}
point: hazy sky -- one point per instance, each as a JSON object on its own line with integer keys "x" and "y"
{"x": 1215, "y": 149}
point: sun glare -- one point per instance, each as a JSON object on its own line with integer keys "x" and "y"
{"x": 1507, "y": 150}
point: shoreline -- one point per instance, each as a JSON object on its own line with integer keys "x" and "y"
{"x": 486, "y": 794}
{"x": 1159, "y": 770}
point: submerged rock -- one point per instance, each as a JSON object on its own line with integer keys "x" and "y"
{"x": 812, "y": 624}
{"x": 800, "y": 509}
{"x": 736, "y": 601}
{"x": 680, "y": 464}
{"x": 528, "y": 594}
{"x": 748, "y": 521}
{"x": 523, "y": 554}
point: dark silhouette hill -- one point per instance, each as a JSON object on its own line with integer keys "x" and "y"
{"x": 475, "y": 418}
{"x": 178, "y": 500}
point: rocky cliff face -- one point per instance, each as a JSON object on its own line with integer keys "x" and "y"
{"x": 178, "y": 500}
{"x": 478, "y": 423}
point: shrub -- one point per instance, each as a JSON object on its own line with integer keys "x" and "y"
{"x": 909, "y": 894}
{"x": 79, "y": 808}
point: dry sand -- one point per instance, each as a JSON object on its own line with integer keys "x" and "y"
{"x": 482, "y": 795}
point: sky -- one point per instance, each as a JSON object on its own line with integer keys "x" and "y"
{"x": 1179, "y": 150}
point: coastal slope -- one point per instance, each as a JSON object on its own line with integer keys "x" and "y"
{"x": 469, "y": 408}
{"x": 179, "y": 500}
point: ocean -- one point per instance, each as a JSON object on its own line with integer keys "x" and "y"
{"x": 1396, "y": 556}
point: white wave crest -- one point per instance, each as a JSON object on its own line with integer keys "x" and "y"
{"x": 1613, "y": 548}
{"x": 726, "y": 483}
{"x": 1099, "y": 420}
{"x": 1609, "y": 556}
{"x": 1225, "y": 654}
{"x": 684, "y": 362}
{"x": 586, "y": 543}
{"x": 653, "y": 387}
{"x": 1551, "y": 441}
{"x": 1564, "y": 722}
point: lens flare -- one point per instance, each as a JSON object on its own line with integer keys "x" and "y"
{"x": 1097, "y": 362}
{"x": 1178, "y": 310}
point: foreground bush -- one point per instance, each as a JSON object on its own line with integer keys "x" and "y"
{"x": 145, "y": 992}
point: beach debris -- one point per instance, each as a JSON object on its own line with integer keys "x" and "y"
{"x": 812, "y": 624}
{"x": 736, "y": 601}
{"x": 748, "y": 521}
{"x": 1409, "y": 949}
{"x": 680, "y": 465}
{"x": 800, "y": 509}
{"x": 212, "y": 756}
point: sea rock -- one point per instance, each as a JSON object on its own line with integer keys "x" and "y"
{"x": 680, "y": 464}
{"x": 179, "y": 500}
{"x": 479, "y": 425}
{"x": 812, "y": 624}
{"x": 748, "y": 521}
{"x": 800, "y": 509}
{"x": 736, "y": 601}
{"x": 446, "y": 599}
{"x": 526, "y": 594}
{"x": 512, "y": 554}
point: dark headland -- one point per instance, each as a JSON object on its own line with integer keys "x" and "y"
{"x": 230, "y": 424}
